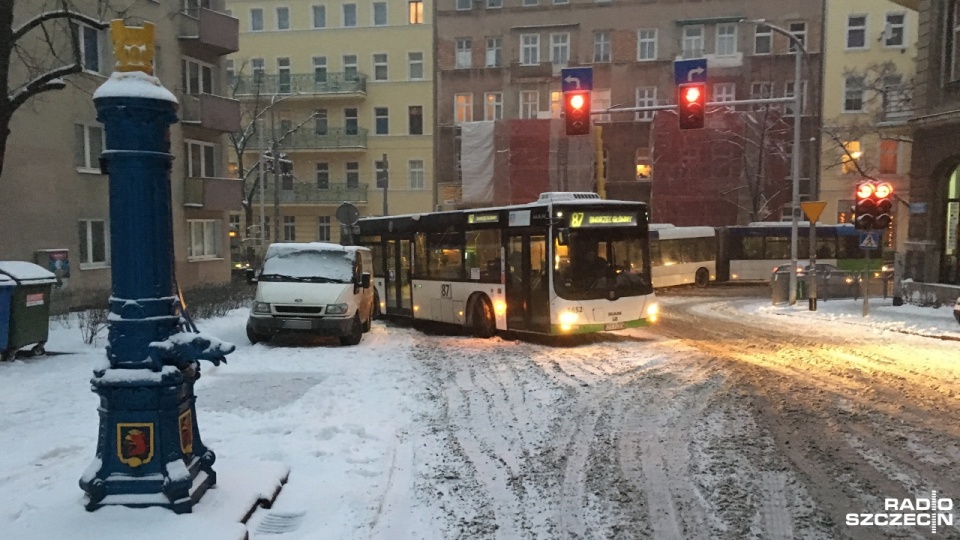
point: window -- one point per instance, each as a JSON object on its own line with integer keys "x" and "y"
{"x": 463, "y": 108}
{"x": 726, "y": 39}
{"x": 483, "y": 259}
{"x": 494, "y": 52}
{"x": 692, "y": 41}
{"x": 464, "y": 4}
{"x": 90, "y": 45}
{"x": 851, "y": 154}
{"x": 530, "y": 49}
{"x": 197, "y": 77}
{"x": 94, "y": 242}
{"x": 380, "y": 72}
{"x": 256, "y": 66}
{"x": 350, "y": 125}
{"x": 256, "y": 20}
{"x": 560, "y": 49}
{"x": 323, "y": 229}
{"x": 647, "y": 44}
{"x": 558, "y": 2}
{"x": 415, "y": 12}
{"x": 289, "y": 228}
{"x": 381, "y": 173}
{"x": 529, "y": 103}
{"x": 600, "y": 100}
{"x": 601, "y": 46}
{"x": 415, "y": 63}
{"x": 894, "y": 30}
{"x": 381, "y": 120}
{"x": 530, "y": 2}
{"x": 204, "y": 238}
{"x": 319, "y": 16}
{"x": 353, "y": 174}
{"x": 646, "y": 97}
{"x": 283, "y": 18}
{"x": 760, "y": 90}
{"x": 888, "y": 156}
{"x": 350, "y": 71}
{"x": 230, "y": 73}
{"x": 762, "y": 40}
{"x": 725, "y": 91}
{"x": 491, "y": 4}
{"x": 379, "y": 13}
{"x": 788, "y": 91}
{"x": 853, "y": 94}
{"x": 88, "y": 146}
{"x": 284, "y": 80}
{"x": 323, "y": 175}
{"x": 857, "y": 32}
{"x": 416, "y": 174}
{"x": 464, "y": 53}
{"x": 556, "y": 104}
{"x": 415, "y": 119}
{"x": 320, "y": 121}
{"x": 319, "y": 69}
{"x": 799, "y": 31}
{"x": 493, "y": 106}
{"x": 199, "y": 159}
{"x": 349, "y": 15}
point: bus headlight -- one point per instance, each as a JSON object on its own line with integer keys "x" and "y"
{"x": 653, "y": 311}
{"x": 568, "y": 317}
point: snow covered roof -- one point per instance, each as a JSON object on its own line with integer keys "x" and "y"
{"x": 134, "y": 84}
{"x": 27, "y": 271}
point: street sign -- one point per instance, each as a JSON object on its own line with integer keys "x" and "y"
{"x": 870, "y": 240}
{"x": 579, "y": 78}
{"x": 690, "y": 71}
{"x": 813, "y": 209}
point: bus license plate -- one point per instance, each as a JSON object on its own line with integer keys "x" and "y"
{"x": 614, "y": 326}
{"x": 298, "y": 324}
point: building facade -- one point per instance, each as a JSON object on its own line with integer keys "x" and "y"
{"x": 55, "y": 194}
{"x": 345, "y": 91}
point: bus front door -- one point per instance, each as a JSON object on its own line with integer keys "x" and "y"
{"x": 528, "y": 298}
{"x": 399, "y": 287}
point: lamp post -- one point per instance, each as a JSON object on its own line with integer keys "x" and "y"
{"x": 795, "y": 160}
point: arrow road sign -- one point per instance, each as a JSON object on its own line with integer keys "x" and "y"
{"x": 573, "y": 79}
{"x": 690, "y": 71}
{"x": 870, "y": 240}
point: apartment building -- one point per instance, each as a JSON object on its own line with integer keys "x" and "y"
{"x": 345, "y": 90}
{"x": 499, "y": 63}
{"x": 870, "y": 49}
{"x": 54, "y": 194}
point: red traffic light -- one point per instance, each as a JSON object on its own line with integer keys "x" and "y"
{"x": 883, "y": 190}
{"x": 692, "y": 94}
{"x": 691, "y": 105}
{"x": 576, "y": 113}
{"x": 577, "y": 101}
{"x": 865, "y": 190}
{"x": 874, "y": 205}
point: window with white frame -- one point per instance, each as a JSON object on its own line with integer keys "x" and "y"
{"x": 494, "y": 52}
{"x": 646, "y": 44}
{"x": 256, "y": 67}
{"x": 323, "y": 229}
{"x": 379, "y": 13}
{"x": 94, "y": 238}
{"x": 894, "y": 31}
{"x": 529, "y": 103}
{"x": 646, "y": 97}
{"x": 91, "y": 42}
{"x": 415, "y": 119}
{"x": 200, "y": 159}
{"x": 323, "y": 175}
{"x": 204, "y": 238}
{"x": 464, "y": 53}
{"x": 556, "y": 103}
{"x": 352, "y": 169}
{"x": 283, "y": 18}
{"x": 381, "y": 173}
{"x": 351, "y": 122}
{"x": 416, "y": 174}
{"x": 380, "y": 72}
{"x": 350, "y": 70}
{"x": 601, "y": 46}
{"x": 725, "y": 91}
{"x": 560, "y": 48}
{"x": 726, "y": 39}
{"x": 761, "y": 90}
{"x": 464, "y": 4}
{"x": 289, "y": 228}
{"x": 788, "y": 91}
{"x": 319, "y": 69}
{"x": 493, "y": 106}
{"x": 494, "y": 4}
{"x": 256, "y": 20}
{"x": 762, "y": 40}
{"x": 529, "y": 49}
{"x": 381, "y": 120}
{"x": 600, "y": 100}
{"x": 856, "y": 32}
{"x": 415, "y": 66}
{"x": 284, "y": 76}
{"x": 463, "y": 108}
{"x": 693, "y": 41}
{"x": 799, "y": 31}
{"x": 853, "y": 88}
{"x": 319, "y": 16}
{"x": 197, "y": 77}
{"x": 88, "y": 145}
{"x": 349, "y": 15}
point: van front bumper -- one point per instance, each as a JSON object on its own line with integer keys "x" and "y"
{"x": 320, "y": 326}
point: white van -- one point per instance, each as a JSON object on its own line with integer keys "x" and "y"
{"x": 316, "y": 288}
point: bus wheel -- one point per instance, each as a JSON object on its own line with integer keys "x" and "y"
{"x": 376, "y": 305}
{"x": 702, "y": 278}
{"x": 482, "y": 323}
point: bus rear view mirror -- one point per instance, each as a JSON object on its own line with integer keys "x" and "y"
{"x": 563, "y": 236}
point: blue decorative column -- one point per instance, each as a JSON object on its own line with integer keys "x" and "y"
{"x": 149, "y": 451}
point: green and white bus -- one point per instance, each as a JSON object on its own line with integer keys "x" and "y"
{"x": 568, "y": 263}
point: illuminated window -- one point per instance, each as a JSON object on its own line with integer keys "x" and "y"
{"x": 463, "y": 111}
{"x": 416, "y": 12}
{"x": 851, "y": 154}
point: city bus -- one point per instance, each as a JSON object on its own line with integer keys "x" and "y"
{"x": 683, "y": 255}
{"x": 568, "y": 263}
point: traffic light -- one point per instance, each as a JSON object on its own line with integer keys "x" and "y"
{"x": 576, "y": 112}
{"x": 874, "y": 205}
{"x": 691, "y": 102}
{"x": 884, "y": 195}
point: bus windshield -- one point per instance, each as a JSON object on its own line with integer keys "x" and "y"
{"x": 601, "y": 264}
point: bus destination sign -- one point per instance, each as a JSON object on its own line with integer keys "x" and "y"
{"x": 602, "y": 219}
{"x": 483, "y": 218}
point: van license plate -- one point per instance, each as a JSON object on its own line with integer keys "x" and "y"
{"x": 298, "y": 324}
{"x": 614, "y": 326}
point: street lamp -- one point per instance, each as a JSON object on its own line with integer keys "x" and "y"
{"x": 799, "y": 51}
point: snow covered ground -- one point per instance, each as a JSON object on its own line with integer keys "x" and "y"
{"x": 375, "y": 436}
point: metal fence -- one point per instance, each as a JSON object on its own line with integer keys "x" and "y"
{"x": 832, "y": 286}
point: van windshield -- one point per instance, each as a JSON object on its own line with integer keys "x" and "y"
{"x": 309, "y": 265}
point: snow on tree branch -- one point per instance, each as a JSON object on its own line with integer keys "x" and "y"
{"x": 51, "y": 80}
{"x": 55, "y": 15}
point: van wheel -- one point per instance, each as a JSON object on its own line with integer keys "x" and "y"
{"x": 255, "y": 337}
{"x": 368, "y": 323}
{"x": 482, "y": 323}
{"x": 703, "y": 278}
{"x": 356, "y": 332}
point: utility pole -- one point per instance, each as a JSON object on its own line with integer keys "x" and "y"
{"x": 386, "y": 183}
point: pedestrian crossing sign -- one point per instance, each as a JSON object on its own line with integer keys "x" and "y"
{"x": 870, "y": 240}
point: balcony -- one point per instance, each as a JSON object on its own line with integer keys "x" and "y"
{"x": 543, "y": 70}
{"x": 311, "y": 194}
{"x": 331, "y": 139}
{"x": 211, "y": 112}
{"x": 330, "y": 84}
{"x": 206, "y": 30}
{"x": 897, "y": 105}
{"x": 224, "y": 194}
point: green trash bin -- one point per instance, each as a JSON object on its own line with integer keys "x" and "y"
{"x": 29, "y": 307}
